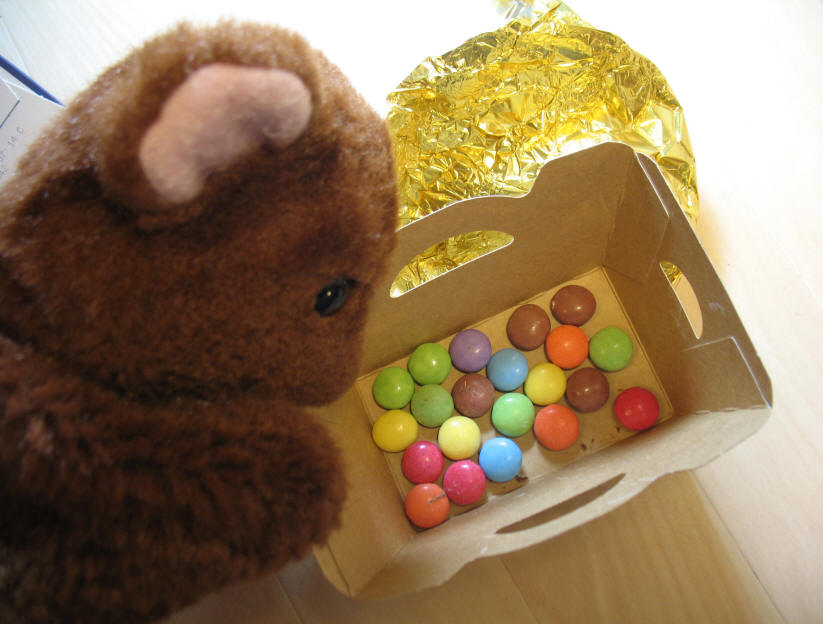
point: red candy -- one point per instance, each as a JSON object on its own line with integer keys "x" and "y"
{"x": 426, "y": 505}
{"x": 636, "y": 409}
{"x": 556, "y": 427}
{"x": 422, "y": 462}
{"x": 464, "y": 482}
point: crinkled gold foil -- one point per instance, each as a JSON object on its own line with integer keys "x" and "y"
{"x": 485, "y": 117}
{"x": 447, "y": 255}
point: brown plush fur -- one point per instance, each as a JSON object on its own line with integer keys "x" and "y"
{"x": 154, "y": 355}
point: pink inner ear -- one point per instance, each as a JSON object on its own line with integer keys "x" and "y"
{"x": 218, "y": 114}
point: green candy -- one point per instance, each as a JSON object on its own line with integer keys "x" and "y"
{"x": 393, "y": 388}
{"x": 432, "y": 405}
{"x": 610, "y": 349}
{"x": 430, "y": 363}
{"x": 513, "y": 414}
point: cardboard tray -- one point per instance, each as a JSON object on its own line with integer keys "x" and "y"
{"x": 605, "y": 218}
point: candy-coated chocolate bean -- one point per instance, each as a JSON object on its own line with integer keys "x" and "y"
{"x": 464, "y": 482}
{"x": 611, "y": 349}
{"x": 587, "y": 389}
{"x": 556, "y": 427}
{"x": 573, "y": 305}
{"x": 431, "y": 405}
{"x": 426, "y": 505}
{"x": 545, "y": 384}
{"x": 393, "y": 388}
{"x": 394, "y": 430}
{"x": 473, "y": 395}
{"x": 636, "y": 408}
{"x": 567, "y": 346}
{"x": 501, "y": 459}
{"x": 513, "y": 414}
{"x": 528, "y": 326}
{"x": 422, "y": 462}
{"x": 429, "y": 363}
{"x": 507, "y": 369}
{"x": 470, "y": 350}
{"x": 459, "y": 437}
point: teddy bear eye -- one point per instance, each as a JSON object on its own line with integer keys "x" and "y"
{"x": 332, "y": 296}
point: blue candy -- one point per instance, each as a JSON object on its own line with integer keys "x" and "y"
{"x": 500, "y": 458}
{"x": 507, "y": 369}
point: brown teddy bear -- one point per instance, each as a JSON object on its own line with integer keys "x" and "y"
{"x": 186, "y": 257}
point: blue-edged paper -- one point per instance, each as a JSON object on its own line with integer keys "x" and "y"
{"x": 25, "y": 108}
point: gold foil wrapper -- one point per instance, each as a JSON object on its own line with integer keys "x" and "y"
{"x": 445, "y": 256}
{"x": 484, "y": 118}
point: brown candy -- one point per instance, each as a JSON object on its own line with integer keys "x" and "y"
{"x": 573, "y": 305}
{"x": 473, "y": 395}
{"x": 528, "y": 327}
{"x": 587, "y": 389}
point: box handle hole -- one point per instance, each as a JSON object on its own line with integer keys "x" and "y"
{"x": 685, "y": 295}
{"x": 446, "y": 256}
{"x": 562, "y": 509}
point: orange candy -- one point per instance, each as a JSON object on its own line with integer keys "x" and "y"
{"x": 567, "y": 346}
{"x": 427, "y": 505}
{"x": 556, "y": 427}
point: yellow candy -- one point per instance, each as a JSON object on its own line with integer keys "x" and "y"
{"x": 459, "y": 437}
{"x": 394, "y": 431}
{"x": 545, "y": 384}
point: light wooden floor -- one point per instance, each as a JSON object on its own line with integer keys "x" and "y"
{"x": 739, "y": 540}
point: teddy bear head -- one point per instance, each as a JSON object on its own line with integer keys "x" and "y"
{"x": 211, "y": 220}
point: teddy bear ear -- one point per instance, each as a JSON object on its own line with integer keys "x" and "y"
{"x": 220, "y": 113}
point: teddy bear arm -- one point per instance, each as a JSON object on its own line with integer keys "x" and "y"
{"x": 262, "y": 473}
{"x": 165, "y": 505}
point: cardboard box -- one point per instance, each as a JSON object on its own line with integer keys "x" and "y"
{"x": 604, "y": 218}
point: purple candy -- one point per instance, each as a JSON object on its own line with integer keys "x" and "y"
{"x": 470, "y": 350}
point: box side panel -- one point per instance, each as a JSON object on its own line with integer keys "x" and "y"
{"x": 554, "y": 504}
{"x": 558, "y": 233}
{"x": 373, "y": 525}
{"x": 720, "y": 369}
